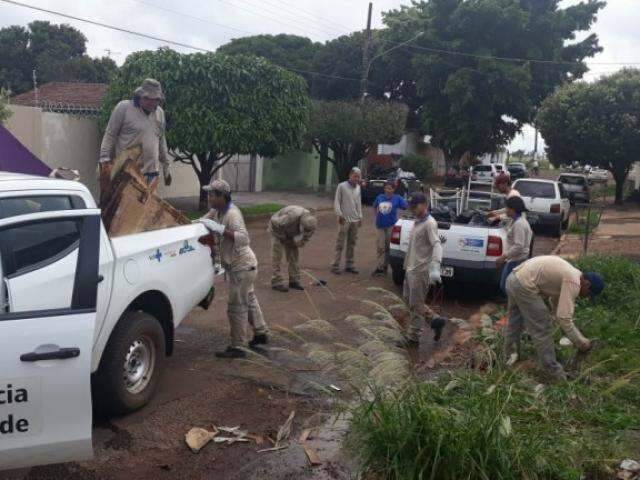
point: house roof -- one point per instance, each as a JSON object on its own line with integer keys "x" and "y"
{"x": 76, "y": 94}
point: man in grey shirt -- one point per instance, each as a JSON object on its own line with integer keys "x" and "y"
{"x": 137, "y": 121}
{"x": 348, "y": 208}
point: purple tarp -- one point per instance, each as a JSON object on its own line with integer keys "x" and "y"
{"x": 15, "y": 157}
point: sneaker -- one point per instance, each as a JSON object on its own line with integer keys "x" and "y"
{"x": 231, "y": 352}
{"x": 259, "y": 339}
{"x": 280, "y": 288}
{"x": 296, "y": 286}
{"x": 378, "y": 272}
{"x": 351, "y": 270}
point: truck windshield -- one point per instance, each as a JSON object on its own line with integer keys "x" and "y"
{"x": 536, "y": 189}
{"x": 573, "y": 180}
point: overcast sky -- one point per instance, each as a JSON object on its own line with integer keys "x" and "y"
{"x": 213, "y": 23}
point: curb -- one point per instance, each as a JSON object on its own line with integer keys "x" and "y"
{"x": 558, "y": 247}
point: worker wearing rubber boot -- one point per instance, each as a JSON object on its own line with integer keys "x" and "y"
{"x": 226, "y": 222}
{"x": 290, "y": 228}
{"x": 348, "y": 208}
{"x": 528, "y": 287}
{"x": 139, "y": 120}
{"x": 422, "y": 268}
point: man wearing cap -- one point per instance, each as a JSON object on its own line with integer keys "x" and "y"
{"x": 530, "y": 284}
{"x": 290, "y": 228}
{"x": 386, "y": 205}
{"x": 422, "y": 268}
{"x": 137, "y": 121}
{"x": 502, "y": 183}
{"x": 226, "y": 221}
{"x": 348, "y": 208}
{"x": 519, "y": 237}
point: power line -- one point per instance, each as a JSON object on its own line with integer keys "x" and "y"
{"x": 343, "y": 28}
{"x": 151, "y": 37}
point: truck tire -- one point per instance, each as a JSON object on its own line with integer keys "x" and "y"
{"x": 131, "y": 364}
{"x": 397, "y": 274}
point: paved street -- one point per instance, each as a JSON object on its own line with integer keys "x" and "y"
{"x": 200, "y": 390}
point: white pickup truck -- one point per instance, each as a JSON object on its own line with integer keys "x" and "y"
{"x": 470, "y": 246}
{"x": 80, "y": 310}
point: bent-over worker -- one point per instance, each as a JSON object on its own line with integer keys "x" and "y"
{"x": 348, "y": 207}
{"x": 422, "y": 267}
{"x": 519, "y": 237}
{"x": 225, "y": 220}
{"x": 528, "y": 286}
{"x": 386, "y": 205}
{"x": 139, "y": 120}
{"x": 291, "y": 228}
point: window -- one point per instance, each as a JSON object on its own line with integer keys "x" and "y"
{"x": 569, "y": 180}
{"x": 34, "y": 244}
{"x": 482, "y": 168}
{"x": 11, "y": 207}
{"x": 536, "y": 189}
{"x": 563, "y": 192}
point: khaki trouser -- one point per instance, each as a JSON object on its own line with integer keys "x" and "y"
{"x": 528, "y": 310}
{"x": 243, "y": 306}
{"x": 414, "y": 291}
{"x": 292, "y": 254}
{"x": 382, "y": 247}
{"x": 346, "y": 232}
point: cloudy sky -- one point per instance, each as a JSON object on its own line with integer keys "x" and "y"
{"x": 212, "y": 23}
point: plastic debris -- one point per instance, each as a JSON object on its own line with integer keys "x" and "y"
{"x": 565, "y": 342}
{"x": 630, "y": 465}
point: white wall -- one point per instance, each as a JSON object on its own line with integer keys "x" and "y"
{"x": 407, "y": 144}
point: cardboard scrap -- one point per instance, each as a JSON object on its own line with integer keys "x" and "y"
{"x": 197, "y": 438}
{"x": 312, "y": 456}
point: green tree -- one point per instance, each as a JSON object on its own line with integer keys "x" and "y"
{"x": 55, "y": 52}
{"x": 467, "y": 100}
{"x": 421, "y": 166}
{"x": 595, "y": 123}
{"x": 5, "y": 113}
{"x": 288, "y": 51}
{"x": 218, "y": 106}
{"x": 351, "y": 129}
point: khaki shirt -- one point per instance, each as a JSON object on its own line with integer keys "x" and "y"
{"x": 130, "y": 125}
{"x": 424, "y": 246}
{"x": 235, "y": 255}
{"x": 519, "y": 236}
{"x": 285, "y": 225}
{"x": 559, "y": 281}
{"x": 348, "y": 202}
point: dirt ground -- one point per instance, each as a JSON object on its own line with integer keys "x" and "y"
{"x": 199, "y": 390}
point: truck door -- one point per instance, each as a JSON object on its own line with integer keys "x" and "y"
{"x": 45, "y": 354}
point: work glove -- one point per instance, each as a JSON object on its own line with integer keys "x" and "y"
{"x": 434, "y": 274}
{"x": 166, "y": 170}
{"x": 213, "y": 226}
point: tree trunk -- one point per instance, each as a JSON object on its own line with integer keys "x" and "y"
{"x": 619, "y": 189}
{"x": 204, "y": 178}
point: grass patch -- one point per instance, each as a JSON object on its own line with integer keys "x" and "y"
{"x": 584, "y": 221}
{"x": 248, "y": 211}
{"x": 501, "y": 423}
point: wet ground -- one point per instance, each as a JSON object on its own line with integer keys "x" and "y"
{"x": 259, "y": 393}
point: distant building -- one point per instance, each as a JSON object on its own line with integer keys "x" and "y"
{"x": 64, "y": 97}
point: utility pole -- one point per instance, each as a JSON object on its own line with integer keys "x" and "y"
{"x": 365, "y": 55}
{"x": 535, "y": 144}
{"x": 35, "y": 87}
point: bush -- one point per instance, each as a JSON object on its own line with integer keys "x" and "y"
{"x": 503, "y": 424}
{"x": 417, "y": 164}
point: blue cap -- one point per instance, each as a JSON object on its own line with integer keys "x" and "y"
{"x": 416, "y": 198}
{"x": 596, "y": 281}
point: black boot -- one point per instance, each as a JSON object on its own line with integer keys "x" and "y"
{"x": 437, "y": 325}
{"x": 259, "y": 339}
{"x": 296, "y": 286}
{"x": 231, "y": 352}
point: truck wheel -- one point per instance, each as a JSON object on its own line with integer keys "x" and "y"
{"x": 131, "y": 364}
{"x": 397, "y": 273}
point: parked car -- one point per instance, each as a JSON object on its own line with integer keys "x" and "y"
{"x": 405, "y": 182}
{"x": 470, "y": 244}
{"x": 597, "y": 175}
{"x": 83, "y": 311}
{"x": 501, "y": 168}
{"x": 576, "y": 186}
{"x": 549, "y": 200}
{"x": 483, "y": 173}
{"x": 517, "y": 170}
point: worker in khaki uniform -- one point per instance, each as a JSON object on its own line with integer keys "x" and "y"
{"x": 519, "y": 237}
{"x": 291, "y": 228}
{"x": 137, "y": 121}
{"x": 225, "y": 220}
{"x": 530, "y": 284}
{"x": 422, "y": 268}
{"x": 348, "y": 208}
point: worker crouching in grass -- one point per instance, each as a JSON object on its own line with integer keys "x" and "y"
{"x": 519, "y": 237}
{"x": 422, "y": 268}
{"x": 290, "y": 228}
{"x": 528, "y": 286}
{"x": 226, "y": 222}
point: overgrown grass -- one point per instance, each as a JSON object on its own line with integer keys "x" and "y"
{"x": 584, "y": 221}
{"x": 248, "y": 211}
{"x": 502, "y": 423}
